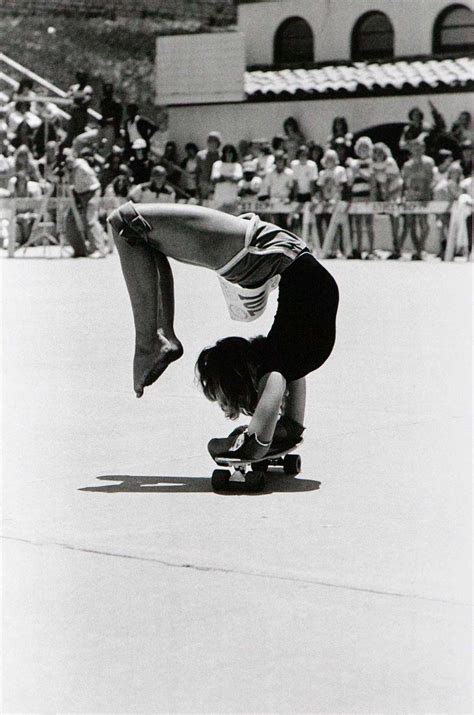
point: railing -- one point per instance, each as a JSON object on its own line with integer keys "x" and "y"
{"x": 339, "y": 212}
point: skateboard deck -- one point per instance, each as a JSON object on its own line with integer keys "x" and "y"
{"x": 249, "y": 475}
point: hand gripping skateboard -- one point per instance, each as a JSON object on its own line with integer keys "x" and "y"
{"x": 249, "y": 476}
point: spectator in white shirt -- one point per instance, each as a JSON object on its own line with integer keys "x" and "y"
{"x": 225, "y": 175}
{"x": 155, "y": 191}
{"x": 305, "y": 172}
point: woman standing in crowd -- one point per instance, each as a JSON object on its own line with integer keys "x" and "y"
{"x": 188, "y": 181}
{"x": 293, "y": 137}
{"x": 340, "y": 130}
{"x": 447, "y": 188}
{"x": 225, "y": 175}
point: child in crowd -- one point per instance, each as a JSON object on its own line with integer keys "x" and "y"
{"x": 387, "y": 186}
{"x": 332, "y": 180}
{"x": 305, "y": 174}
{"x": 360, "y": 176}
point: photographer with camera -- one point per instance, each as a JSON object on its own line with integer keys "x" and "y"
{"x": 83, "y": 229}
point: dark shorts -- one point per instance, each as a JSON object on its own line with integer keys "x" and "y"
{"x": 304, "y": 330}
{"x": 303, "y": 198}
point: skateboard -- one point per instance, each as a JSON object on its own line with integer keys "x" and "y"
{"x": 249, "y": 476}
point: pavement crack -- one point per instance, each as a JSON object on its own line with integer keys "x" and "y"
{"x": 239, "y": 572}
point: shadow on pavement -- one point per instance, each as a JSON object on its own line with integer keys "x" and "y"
{"x": 128, "y": 483}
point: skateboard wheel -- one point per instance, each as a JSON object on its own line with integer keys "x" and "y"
{"x": 261, "y": 466}
{"x": 254, "y": 481}
{"x": 220, "y": 479}
{"x": 292, "y": 464}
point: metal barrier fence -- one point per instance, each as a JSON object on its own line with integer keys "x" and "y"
{"x": 44, "y": 228}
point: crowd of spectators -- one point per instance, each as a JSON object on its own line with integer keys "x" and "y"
{"x": 128, "y": 156}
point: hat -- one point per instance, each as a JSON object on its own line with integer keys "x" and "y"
{"x": 215, "y": 135}
{"x": 139, "y": 144}
{"x": 158, "y": 170}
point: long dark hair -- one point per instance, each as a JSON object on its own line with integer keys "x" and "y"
{"x": 228, "y": 374}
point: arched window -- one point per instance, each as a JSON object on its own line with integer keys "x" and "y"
{"x": 293, "y": 42}
{"x": 372, "y": 37}
{"x": 454, "y": 31}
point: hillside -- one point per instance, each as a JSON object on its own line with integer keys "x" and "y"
{"x": 119, "y": 51}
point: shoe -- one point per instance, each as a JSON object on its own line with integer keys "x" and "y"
{"x": 394, "y": 256}
{"x": 96, "y": 254}
{"x": 416, "y": 257}
{"x": 355, "y": 255}
{"x": 370, "y": 257}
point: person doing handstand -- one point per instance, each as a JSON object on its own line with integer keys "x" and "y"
{"x": 263, "y": 377}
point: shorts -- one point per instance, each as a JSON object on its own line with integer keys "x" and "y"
{"x": 267, "y": 252}
{"x": 303, "y": 333}
{"x": 303, "y": 198}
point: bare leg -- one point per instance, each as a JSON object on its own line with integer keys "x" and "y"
{"x": 424, "y": 231}
{"x": 394, "y": 226}
{"x": 358, "y": 231}
{"x": 295, "y": 402}
{"x": 369, "y": 224}
{"x": 414, "y": 235}
{"x": 405, "y": 226}
{"x": 154, "y": 350}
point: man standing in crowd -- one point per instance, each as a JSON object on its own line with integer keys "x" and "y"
{"x": 111, "y": 111}
{"x": 136, "y": 127}
{"x": 279, "y": 185}
{"x": 418, "y": 175}
{"x": 83, "y": 229}
{"x": 205, "y": 159}
{"x": 154, "y": 191}
{"x": 81, "y": 95}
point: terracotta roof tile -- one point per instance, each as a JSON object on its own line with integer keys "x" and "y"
{"x": 418, "y": 74}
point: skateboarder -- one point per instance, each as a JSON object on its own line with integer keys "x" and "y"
{"x": 263, "y": 377}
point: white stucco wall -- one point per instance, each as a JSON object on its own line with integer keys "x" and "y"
{"x": 253, "y": 120}
{"x": 332, "y": 22}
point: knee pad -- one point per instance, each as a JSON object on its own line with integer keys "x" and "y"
{"x": 129, "y": 224}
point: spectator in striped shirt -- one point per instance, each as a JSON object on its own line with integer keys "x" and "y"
{"x": 360, "y": 175}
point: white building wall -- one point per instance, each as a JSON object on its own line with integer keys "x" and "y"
{"x": 332, "y": 22}
{"x": 265, "y": 119}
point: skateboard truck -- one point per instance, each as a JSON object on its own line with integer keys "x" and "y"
{"x": 249, "y": 477}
